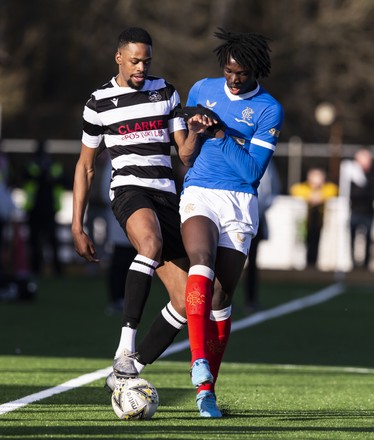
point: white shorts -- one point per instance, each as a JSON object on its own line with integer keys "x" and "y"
{"x": 234, "y": 213}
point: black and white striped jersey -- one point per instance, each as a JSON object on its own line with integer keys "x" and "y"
{"x": 135, "y": 126}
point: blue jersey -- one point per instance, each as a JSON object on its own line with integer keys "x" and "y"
{"x": 253, "y": 121}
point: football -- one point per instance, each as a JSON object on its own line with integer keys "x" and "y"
{"x": 134, "y": 398}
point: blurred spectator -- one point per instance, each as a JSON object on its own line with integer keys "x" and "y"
{"x": 268, "y": 189}
{"x": 43, "y": 192}
{"x": 315, "y": 191}
{"x": 357, "y": 185}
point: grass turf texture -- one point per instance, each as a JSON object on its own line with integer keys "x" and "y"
{"x": 65, "y": 333}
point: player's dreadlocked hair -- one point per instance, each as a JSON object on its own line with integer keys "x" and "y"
{"x": 250, "y": 50}
{"x": 134, "y": 35}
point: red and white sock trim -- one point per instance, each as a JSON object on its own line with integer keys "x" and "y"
{"x": 200, "y": 269}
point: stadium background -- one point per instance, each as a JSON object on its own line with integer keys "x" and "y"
{"x": 52, "y": 55}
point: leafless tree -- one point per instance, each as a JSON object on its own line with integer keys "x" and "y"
{"x": 54, "y": 53}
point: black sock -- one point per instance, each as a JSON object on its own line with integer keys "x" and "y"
{"x": 161, "y": 334}
{"x": 137, "y": 288}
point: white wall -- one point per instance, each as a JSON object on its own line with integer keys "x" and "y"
{"x": 285, "y": 248}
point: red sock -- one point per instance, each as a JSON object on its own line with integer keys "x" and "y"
{"x": 198, "y": 305}
{"x": 217, "y": 337}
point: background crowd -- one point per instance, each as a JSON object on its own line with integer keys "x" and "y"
{"x": 31, "y": 236}
{"x": 305, "y": 35}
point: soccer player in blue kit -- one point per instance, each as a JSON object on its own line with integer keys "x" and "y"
{"x": 218, "y": 206}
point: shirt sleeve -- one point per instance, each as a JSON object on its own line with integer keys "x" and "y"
{"x": 268, "y": 127}
{"x": 175, "y": 124}
{"x": 194, "y": 93}
{"x": 92, "y": 126}
{"x": 249, "y": 165}
{"x": 251, "y": 159}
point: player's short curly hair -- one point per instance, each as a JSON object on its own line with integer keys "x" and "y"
{"x": 249, "y": 50}
{"x": 134, "y": 35}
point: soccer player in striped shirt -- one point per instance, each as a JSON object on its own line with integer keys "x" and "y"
{"x": 218, "y": 207}
{"x": 133, "y": 117}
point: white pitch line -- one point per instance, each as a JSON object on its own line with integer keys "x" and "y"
{"x": 284, "y": 309}
{"x": 66, "y": 386}
{"x": 290, "y": 307}
{"x": 275, "y": 312}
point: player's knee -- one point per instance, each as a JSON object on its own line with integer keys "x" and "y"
{"x": 151, "y": 247}
{"x": 202, "y": 258}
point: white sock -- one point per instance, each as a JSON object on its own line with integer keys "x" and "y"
{"x": 138, "y": 366}
{"x": 127, "y": 341}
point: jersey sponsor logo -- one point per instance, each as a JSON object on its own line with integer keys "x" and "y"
{"x": 141, "y": 126}
{"x": 210, "y": 104}
{"x": 246, "y": 117}
{"x": 274, "y": 132}
{"x": 154, "y": 96}
{"x": 115, "y": 101}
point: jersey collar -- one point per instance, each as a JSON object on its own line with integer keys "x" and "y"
{"x": 126, "y": 89}
{"x": 242, "y": 96}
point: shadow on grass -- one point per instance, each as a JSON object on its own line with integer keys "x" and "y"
{"x": 87, "y": 413}
{"x": 187, "y": 425}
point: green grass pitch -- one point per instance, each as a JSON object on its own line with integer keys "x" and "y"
{"x": 306, "y": 375}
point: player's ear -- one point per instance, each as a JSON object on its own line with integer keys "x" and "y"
{"x": 118, "y": 57}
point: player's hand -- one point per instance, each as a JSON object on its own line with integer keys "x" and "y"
{"x": 199, "y": 123}
{"x": 84, "y": 247}
{"x": 217, "y": 126}
{"x": 200, "y": 119}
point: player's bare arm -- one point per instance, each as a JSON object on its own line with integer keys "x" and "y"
{"x": 188, "y": 143}
{"x": 83, "y": 178}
